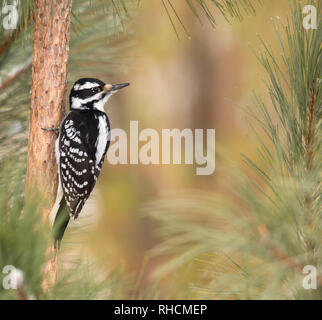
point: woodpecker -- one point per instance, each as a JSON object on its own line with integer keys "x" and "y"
{"x": 84, "y": 138}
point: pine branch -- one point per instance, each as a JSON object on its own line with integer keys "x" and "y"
{"x": 309, "y": 150}
{"x": 16, "y": 75}
{"x": 309, "y": 134}
{"x": 278, "y": 253}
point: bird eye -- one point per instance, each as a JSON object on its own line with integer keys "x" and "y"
{"x": 96, "y": 89}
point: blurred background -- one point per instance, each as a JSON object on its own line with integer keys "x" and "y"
{"x": 204, "y": 79}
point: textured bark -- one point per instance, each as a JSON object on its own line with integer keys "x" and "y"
{"x": 49, "y": 72}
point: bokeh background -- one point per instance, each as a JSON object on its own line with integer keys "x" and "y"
{"x": 204, "y": 79}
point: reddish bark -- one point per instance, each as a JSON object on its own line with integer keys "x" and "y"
{"x": 49, "y": 72}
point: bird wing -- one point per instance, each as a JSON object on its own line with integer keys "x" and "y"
{"x": 77, "y": 163}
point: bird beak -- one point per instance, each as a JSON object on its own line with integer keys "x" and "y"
{"x": 115, "y": 87}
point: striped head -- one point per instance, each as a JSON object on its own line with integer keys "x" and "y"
{"x": 92, "y": 94}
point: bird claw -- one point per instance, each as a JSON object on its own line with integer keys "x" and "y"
{"x": 55, "y": 129}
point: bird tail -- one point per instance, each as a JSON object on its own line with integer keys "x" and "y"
{"x": 59, "y": 215}
{"x": 60, "y": 223}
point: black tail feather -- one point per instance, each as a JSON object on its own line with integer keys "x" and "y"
{"x": 60, "y": 223}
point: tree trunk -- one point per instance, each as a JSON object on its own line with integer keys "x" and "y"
{"x": 49, "y": 73}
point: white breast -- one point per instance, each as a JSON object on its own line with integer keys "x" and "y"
{"x": 102, "y": 139}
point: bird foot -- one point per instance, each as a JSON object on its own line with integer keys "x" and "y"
{"x": 55, "y": 129}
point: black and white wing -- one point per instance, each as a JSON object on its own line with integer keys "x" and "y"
{"x": 79, "y": 167}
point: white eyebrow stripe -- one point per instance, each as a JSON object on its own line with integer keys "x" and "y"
{"x": 86, "y": 85}
{"x": 78, "y": 102}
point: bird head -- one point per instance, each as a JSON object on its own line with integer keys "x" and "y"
{"x": 92, "y": 94}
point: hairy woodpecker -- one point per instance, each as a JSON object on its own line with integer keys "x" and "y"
{"x": 84, "y": 137}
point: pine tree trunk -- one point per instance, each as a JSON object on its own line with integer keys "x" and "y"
{"x": 49, "y": 72}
